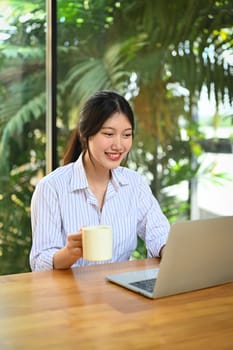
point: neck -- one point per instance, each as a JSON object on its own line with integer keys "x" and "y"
{"x": 95, "y": 173}
{"x": 97, "y": 178}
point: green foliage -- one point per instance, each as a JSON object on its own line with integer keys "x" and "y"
{"x": 140, "y": 252}
{"x": 15, "y": 238}
{"x": 33, "y": 110}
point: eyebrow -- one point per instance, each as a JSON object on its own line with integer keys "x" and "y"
{"x": 109, "y": 127}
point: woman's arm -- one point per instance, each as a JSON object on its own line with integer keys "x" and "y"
{"x": 154, "y": 226}
{"x": 50, "y": 248}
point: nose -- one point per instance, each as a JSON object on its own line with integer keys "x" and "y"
{"x": 117, "y": 144}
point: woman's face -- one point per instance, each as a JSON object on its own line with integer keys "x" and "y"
{"x": 112, "y": 143}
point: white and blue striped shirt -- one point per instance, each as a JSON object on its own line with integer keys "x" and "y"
{"x": 62, "y": 203}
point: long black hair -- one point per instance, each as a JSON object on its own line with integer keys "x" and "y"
{"x": 97, "y": 109}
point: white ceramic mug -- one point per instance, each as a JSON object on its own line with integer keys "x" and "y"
{"x": 97, "y": 242}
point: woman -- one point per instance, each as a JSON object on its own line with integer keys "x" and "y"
{"x": 91, "y": 188}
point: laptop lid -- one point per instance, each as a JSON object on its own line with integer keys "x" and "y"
{"x": 198, "y": 254}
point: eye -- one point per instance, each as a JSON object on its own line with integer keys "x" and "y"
{"x": 127, "y": 135}
{"x": 108, "y": 134}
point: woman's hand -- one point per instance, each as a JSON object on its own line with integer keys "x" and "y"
{"x": 74, "y": 245}
{"x": 67, "y": 256}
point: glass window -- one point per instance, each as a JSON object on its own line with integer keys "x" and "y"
{"x": 22, "y": 125}
{"x": 171, "y": 64}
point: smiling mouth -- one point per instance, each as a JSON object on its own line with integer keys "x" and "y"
{"x": 113, "y": 156}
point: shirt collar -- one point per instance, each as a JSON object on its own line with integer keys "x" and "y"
{"x": 119, "y": 177}
{"x": 78, "y": 178}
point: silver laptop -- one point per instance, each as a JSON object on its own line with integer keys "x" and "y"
{"x": 198, "y": 254}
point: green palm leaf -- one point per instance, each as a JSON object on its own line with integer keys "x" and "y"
{"x": 33, "y": 110}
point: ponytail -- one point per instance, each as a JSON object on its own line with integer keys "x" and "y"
{"x": 74, "y": 148}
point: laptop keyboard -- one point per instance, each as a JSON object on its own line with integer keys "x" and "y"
{"x": 147, "y": 285}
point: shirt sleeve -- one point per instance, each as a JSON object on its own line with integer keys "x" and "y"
{"x": 46, "y": 227}
{"x": 153, "y": 226}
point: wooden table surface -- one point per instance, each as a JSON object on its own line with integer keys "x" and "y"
{"x": 79, "y": 309}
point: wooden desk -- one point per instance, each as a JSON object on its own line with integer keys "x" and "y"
{"x": 78, "y": 309}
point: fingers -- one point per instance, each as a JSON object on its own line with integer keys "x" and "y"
{"x": 75, "y": 236}
{"x": 78, "y": 252}
{"x": 74, "y": 244}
